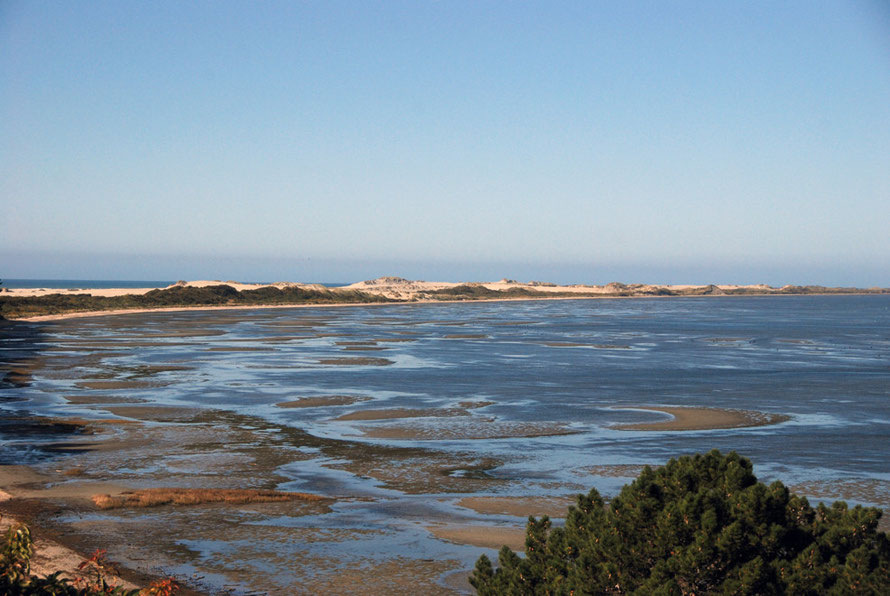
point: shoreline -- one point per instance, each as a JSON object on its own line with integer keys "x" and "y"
{"x": 124, "y": 311}
{"x": 55, "y": 552}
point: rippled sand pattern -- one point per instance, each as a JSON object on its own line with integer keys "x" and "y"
{"x": 472, "y": 430}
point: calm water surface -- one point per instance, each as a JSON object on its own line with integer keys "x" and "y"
{"x": 532, "y": 368}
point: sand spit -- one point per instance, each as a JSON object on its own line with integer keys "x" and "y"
{"x": 400, "y": 289}
{"x": 687, "y": 418}
{"x": 155, "y": 497}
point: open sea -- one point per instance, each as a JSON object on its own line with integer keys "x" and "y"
{"x": 402, "y": 412}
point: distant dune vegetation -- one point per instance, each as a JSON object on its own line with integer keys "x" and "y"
{"x": 16, "y": 307}
{"x": 385, "y": 289}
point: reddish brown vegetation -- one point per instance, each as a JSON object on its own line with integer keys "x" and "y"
{"x": 154, "y": 497}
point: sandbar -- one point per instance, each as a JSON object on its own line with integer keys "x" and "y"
{"x": 694, "y": 418}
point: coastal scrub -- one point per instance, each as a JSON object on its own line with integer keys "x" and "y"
{"x": 699, "y": 525}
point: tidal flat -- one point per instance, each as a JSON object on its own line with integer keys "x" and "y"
{"x": 429, "y": 457}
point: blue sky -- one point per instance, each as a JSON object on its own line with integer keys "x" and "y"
{"x": 733, "y": 142}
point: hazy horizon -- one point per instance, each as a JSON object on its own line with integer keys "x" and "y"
{"x": 261, "y": 269}
{"x": 571, "y": 142}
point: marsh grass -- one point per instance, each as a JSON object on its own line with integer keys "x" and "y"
{"x": 155, "y": 497}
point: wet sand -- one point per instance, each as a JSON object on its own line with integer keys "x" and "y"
{"x": 553, "y": 507}
{"x": 688, "y": 418}
{"x": 51, "y": 556}
{"x": 493, "y": 537}
{"x": 322, "y": 401}
{"x": 397, "y": 413}
{"x": 477, "y": 429}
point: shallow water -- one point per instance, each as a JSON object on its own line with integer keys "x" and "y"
{"x": 504, "y": 373}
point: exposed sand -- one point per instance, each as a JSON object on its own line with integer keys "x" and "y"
{"x": 493, "y": 537}
{"x": 321, "y": 401}
{"x": 702, "y": 419}
{"x": 399, "y": 288}
{"x": 616, "y": 470}
{"x": 554, "y": 507}
{"x": 475, "y": 429}
{"x": 396, "y": 413}
{"x": 49, "y": 556}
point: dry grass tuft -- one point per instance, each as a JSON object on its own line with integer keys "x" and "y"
{"x": 154, "y": 497}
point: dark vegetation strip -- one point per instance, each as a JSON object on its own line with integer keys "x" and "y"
{"x": 14, "y": 307}
{"x": 17, "y": 307}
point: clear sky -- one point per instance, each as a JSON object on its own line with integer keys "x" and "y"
{"x": 729, "y": 142}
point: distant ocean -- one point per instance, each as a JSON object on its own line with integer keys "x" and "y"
{"x": 65, "y": 284}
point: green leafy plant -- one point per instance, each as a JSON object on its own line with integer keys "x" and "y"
{"x": 93, "y": 574}
{"x": 699, "y": 525}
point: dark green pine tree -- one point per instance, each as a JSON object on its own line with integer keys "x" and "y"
{"x": 699, "y": 525}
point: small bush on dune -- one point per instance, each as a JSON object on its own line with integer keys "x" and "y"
{"x": 699, "y": 525}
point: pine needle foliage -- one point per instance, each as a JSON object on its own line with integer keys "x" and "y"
{"x": 702, "y": 524}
